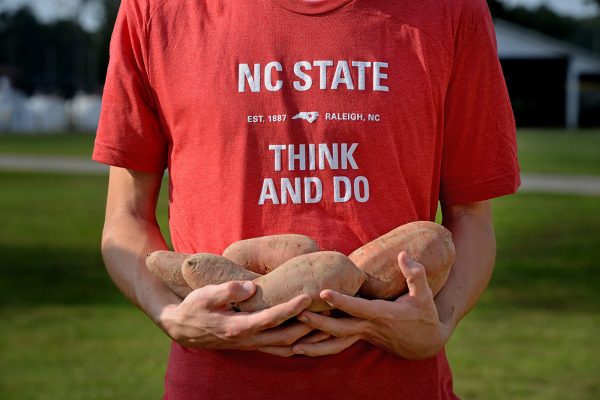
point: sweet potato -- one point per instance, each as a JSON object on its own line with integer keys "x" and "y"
{"x": 204, "y": 269}
{"x": 305, "y": 274}
{"x": 263, "y": 254}
{"x": 428, "y": 243}
{"x": 167, "y": 266}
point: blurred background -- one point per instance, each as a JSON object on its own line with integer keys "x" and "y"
{"x": 67, "y": 333}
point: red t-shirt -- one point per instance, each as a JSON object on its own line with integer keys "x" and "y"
{"x": 335, "y": 119}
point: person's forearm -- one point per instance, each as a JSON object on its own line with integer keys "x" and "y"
{"x": 475, "y": 244}
{"x": 415, "y": 325}
{"x": 125, "y": 242}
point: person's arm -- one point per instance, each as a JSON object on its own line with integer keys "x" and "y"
{"x": 475, "y": 241}
{"x": 416, "y": 325}
{"x": 204, "y": 319}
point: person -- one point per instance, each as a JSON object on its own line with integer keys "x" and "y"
{"x": 336, "y": 119}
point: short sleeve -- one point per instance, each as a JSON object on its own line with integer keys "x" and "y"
{"x": 129, "y": 132}
{"x": 479, "y": 158}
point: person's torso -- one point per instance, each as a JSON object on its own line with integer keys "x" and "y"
{"x": 325, "y": 124}
{"x": 328, "y": 125}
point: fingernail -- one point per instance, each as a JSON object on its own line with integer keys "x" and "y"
{"x": 248, "y": 286}
{"x": 302, "y": 318}
{"x": 327, "y": 298}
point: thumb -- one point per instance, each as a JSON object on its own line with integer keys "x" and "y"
{"x": 414, "y": 272}
{"x": 229, "y": 292}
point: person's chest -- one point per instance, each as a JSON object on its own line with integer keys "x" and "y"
{"x": 244, "y": 68}
{"x": 282, "y": 119}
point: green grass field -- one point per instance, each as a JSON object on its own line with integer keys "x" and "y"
{"x": 77, "y": 145}
{"x": 559, "y": 151}
{"x": 67, "y": 333}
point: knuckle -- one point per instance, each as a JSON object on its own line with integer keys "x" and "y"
{"x": 418, "y": 272}
{"x": 230, "y": 288}
{"x": 202, "y": 301}
{"x": 196, "y": 298}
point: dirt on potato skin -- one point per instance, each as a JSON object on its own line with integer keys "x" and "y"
{"x": 166, "y": 265}
{"x": 204, "y": 269}
{"x": 428, "y": 243}
{"x": 306, "y": 274}
{"x": 266, "y": 253}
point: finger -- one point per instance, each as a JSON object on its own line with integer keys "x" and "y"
{"x": 354, "y": 306}
{"x": 226, "y": 293}
{"x": 334, "y": 326}
{"x": 332, "y": 346}
{"x": 315, "y": 338}
{"x": 281, "y": 351}
{"x": 416, "y": 279}
{"x": 281, "y": 336}
{"x": 274, "y": 316}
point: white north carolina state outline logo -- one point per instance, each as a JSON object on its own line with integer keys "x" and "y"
{"x": 310, "y": 116}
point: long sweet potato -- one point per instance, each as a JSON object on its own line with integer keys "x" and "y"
{"x": 263, "y": 254}
{"x": 305, "y": 274}
{"x": 428, "y": 243}
{"x": 167, "y": 266}
{"x": 204, "y": 269}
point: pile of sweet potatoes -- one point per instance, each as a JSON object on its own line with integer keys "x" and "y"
{"x": 284, "y": 266}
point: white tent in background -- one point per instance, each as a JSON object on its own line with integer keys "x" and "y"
{"x": 48, "y": 113}
{"x": 84, "y": 112}
{"x": 15, "y": 115}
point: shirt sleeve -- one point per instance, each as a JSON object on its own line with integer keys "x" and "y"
{"x": 129, "y": 132}
{"x": 479, "y": 158}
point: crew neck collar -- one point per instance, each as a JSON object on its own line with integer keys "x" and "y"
{"x": 311, "y": 6}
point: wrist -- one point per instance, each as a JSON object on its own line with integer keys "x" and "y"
{"x": 166, "y": 319}
{"x": 446, "y": 309}
{"x": 165, "y": 316}
{"x": 155, "y": 298}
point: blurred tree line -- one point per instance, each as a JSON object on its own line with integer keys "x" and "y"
{"x": 61, "y": 57}
{"x": 584, "y": 32}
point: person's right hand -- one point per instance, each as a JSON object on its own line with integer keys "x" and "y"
{"x": 205, "y": 319}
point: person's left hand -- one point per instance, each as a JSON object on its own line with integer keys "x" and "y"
{"x": 408, "y": 327}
